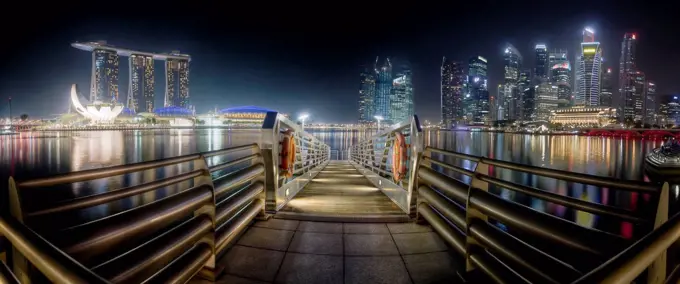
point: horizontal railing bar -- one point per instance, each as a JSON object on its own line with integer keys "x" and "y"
{"x": 182, "y": 269}
{"x": 452, "y": 211}
{"x": 495, "y": 269}
{"x": 453, "y": 154}
{"x": 237, "y": 200}
{"x": 454, "y": 237}
{"x": 229, "y": 230}
{"x": 97, "y": 199}
{"x": 139, "y": 264}
{"x": 614, "y": 183}
{"x": 87, "y": 175}
{"x": 6, "y": 275}
{"x": 542, "y": 267}
{"x": 457, "y": 169}
{"x": 238, "y": 178}
{"x": 595, "y": 208}
{"x": 628, "y": 264}
{"x": 112, "y": 232}
{"x": 451, "y": 188}
{"x": 56, "y": 265}
{"x": 220, "y": 167}
{"x": 229, "y": 150}
{"x": 547, "y": 227}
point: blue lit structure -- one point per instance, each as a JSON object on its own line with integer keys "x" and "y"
{"x": 245, "y": 109}
{"x": 128, "y": 112}
{"x": 383, "y": 89}
{"x": 173, "y": 111}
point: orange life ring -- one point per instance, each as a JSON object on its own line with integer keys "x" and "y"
{"x": 288, "y": 154}
{"x": 399, "y": 157}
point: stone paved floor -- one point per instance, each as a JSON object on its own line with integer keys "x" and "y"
{"x": 288, "y": 251}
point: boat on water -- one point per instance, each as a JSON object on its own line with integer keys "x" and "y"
{"x": 665, "y": 160}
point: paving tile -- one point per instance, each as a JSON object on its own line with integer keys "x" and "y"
{"x": 310, "y": 268}
{"x": 358, "y": 244}
{"x": 403, "y": 228}
{"x": 320, "y": 227}
{"x": 376, "y": 270}
{"x": 266, "y": 238}
{"x": 279, "y": 224}
{"x": 436, "y": 267}
{"x": 231, "y": 279}
{"x": 419, "y": 243}
{"x": 252, "y": 263}
{"x": 358, "y": 228}
{"x": 317, "y": 243}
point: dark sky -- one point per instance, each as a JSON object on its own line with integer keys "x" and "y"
{"x": 304, "y": 57}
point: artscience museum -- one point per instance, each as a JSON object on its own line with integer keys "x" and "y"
{"x": 97, "y": 112}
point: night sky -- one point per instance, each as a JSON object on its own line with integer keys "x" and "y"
{"x": 305, "y": 58}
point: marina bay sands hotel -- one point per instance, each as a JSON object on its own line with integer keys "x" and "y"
{"x": 140, "y": 96}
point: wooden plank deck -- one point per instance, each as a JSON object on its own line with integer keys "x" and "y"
{"x": 340, "y": 193}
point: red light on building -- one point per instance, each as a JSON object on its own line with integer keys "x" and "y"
{"x": 634, "y": 35}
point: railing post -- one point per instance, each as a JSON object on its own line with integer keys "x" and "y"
{"x": 414, "y": 161}
{"x": 656, "y": 272}
{"x": 210, "y": 271}
{"x": 471, "y": 213}
{"x": 20, "y": 265}
{"x": 269, "y": 149}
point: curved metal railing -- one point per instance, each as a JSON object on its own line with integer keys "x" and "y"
{"x": 371, "y": 158}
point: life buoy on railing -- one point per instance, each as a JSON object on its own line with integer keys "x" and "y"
{"x": 287, "y": 154}
{"x": 399, "y": 157}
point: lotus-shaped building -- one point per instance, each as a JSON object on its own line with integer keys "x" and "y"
{"x": 98, "y": 112}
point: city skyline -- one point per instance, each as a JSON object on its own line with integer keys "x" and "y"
{"x": 257, "y": 67}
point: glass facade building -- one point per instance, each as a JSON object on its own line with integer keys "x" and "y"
{"x": 383, "y": 89}
{"x": 401, "y": 101}
{"x": 588, "y": 74}
{"x": 607, "y": 88}
{"x": 639, "y": 88}
{"x": 560, "y": 75}
{"x": 546, "y": 101}
{"x": 366, "y": 94}
{"x": 176, "y": 82}
{"x": 142, "y": 84}
{"x": 452, "y": 89}
{"x": 627, "y": 74}
{"x": 104, "y": 81}
{"x": 541, "y": 69}
{"x": 477, "y": 96}
{"x": 510, "y": 101}
{"x": 650, "y": 103}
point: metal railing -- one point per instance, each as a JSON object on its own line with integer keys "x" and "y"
{"x": 169, "y": 240}
{"x": 371, "y": 157}
{"x": 533, "y": 247}
{"x": 312, "y": 156}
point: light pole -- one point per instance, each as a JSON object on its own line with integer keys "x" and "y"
{"x": 379, "y": 118}
{"x": 302, "y": 118}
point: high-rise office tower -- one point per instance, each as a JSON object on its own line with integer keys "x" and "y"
{"x": 104, "y": 76}
{"x": 650, "y": 103}
{"x": 527, "y": 95}
{"x": 627, "y": 74}
{"x": 509, "y": 99}
{"x": 383, "y": 89}
{"x": 541, "y": 69}
{"x": 177, "y": 82}
{"x": 401, "y": 99}
{"x": 607, "y": 88}
{"x": 452, "y": 89}
{"x": 496, "y": 103}
{"x": 589, "y": 70}
{"x": 366, "y": 94}
{"x": 142, "y": 83}
{"x": 639, "y": 87}
{"x": 477, "y": 97}
{"x": 560, "y": 75}
{"x": 546, "y": 100}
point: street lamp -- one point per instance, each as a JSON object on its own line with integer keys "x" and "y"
{"x": 302, "y": 118}
{"x": 379, "y": 118}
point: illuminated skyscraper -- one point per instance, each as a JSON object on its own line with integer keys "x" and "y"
{"x": 177, "y": 82}
{"x": 560, "y": 75}
{"x": 366, "y": 95}
{"x": 607, "y": 87}
{"x": 650, "y": 103}
{"x": 639, "y": 88}
{"x": 452, "y": 89}
{"x": 401, "y": 99}
{"x": 546, "y": 100}
{"x": 589, "y": 71}
{"x": 527, "y": 96}
{"x": 383, "y": 89}
{"x": 142, "y": 83}
{"x": 510, "y": 101}
{"x": 541, "y": 69}
{"x": 477, "y": 96}
{"x": 627, "y": 74}
{"x": 104, "y": 76}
